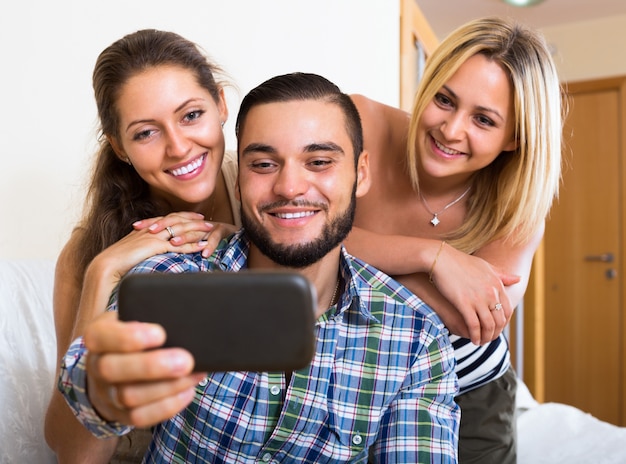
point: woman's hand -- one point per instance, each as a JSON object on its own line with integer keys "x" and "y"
{"x": 477, "y": 290}
{"x": 188, "y": 229}
{"x": 183, "y": 232}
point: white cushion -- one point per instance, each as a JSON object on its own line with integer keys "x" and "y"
{"x": 27, "y": 359}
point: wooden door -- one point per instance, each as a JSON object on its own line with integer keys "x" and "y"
{"x": 584, "y": 276}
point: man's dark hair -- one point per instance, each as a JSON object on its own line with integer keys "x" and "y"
{"x": 304, "y": 86}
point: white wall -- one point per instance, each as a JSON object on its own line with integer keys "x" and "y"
{"x": 48, "y": 49}
{"x": 589, "y": 49}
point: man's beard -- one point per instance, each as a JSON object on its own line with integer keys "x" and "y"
{"x": 301, "y": 255}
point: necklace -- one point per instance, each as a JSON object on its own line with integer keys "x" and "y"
{"x": 435, "y": 220}
{"x": 334, "y": 295}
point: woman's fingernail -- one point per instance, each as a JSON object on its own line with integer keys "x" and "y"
{"x": 153, "y": 226}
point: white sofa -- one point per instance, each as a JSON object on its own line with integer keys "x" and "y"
{"x": 27, "y": 359}
{"x": 548, "y": 433}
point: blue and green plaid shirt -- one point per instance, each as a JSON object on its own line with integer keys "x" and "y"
{"x": 381, "y": 385}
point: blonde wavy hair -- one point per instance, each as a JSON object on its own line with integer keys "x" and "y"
{"x": 513, "y": 195}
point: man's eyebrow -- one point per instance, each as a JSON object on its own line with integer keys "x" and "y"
{"x": 257, "y": 148}
{"x": 310, "y": 148}
{"x": 324, "y": 146}
{"x": 480, "y": 108}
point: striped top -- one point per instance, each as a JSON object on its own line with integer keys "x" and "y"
{"x": 381, "y": 384}
{"x": 478, "y": 365}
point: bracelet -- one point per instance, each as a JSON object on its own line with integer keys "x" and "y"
{"x": 432, "y": 268}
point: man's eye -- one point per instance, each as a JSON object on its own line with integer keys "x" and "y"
{"x": 320, "y": 162}
{"x": 262, "y": 165}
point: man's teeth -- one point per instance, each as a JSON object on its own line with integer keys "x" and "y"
{"x": 295, "y": 215}
{"x": 446, "y": 150}
{"x": 189, "y": 168}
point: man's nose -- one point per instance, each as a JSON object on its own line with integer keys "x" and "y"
{"x": 292, "y": 181}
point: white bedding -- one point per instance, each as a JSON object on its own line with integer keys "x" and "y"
{"x": 548, "y": 433}
{"x": 27, "y": 353}
{"x": 554, "y": 433}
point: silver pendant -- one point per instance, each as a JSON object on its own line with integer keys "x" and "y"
{"x": 435, "y": 220}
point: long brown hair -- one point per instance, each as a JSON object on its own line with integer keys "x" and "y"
{"x": 117, "y": 196}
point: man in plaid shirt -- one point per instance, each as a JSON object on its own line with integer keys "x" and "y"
{"x": 381, "y": 385}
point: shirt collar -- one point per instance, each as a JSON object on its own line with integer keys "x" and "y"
{"x": 232, "y": 256}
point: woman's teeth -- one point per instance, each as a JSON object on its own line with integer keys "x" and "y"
{"x": 189, "y": 168}
{"x": 447, "y": 150}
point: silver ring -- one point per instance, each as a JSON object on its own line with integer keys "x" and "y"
{"x": 497, "y": 307}
{"x": 113, "y": 396}
{"x": 171, "y": 232}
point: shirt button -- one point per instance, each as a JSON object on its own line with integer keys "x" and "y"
{"x": 203, "y": 382}
{"x": 266, "y": 457}
{"x": 357, "y": 439}
{"x": 275, "y": 390}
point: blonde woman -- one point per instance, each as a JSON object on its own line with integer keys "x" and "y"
{"x": 460, "y": 192}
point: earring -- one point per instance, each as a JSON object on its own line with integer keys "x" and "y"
{"x": 223, "y": 122}
{"x": 127, "y": 160}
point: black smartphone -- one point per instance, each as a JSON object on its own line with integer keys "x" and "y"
{"x": 251, "y": 320}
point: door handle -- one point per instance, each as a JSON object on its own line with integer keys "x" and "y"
{"x": 603, "y": 258}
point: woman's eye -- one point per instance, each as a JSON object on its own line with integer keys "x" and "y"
{"x": 193, "y": 115}
{"x": 442, "y": 99}
{"x": 485, "y": 121}
{"x": 142, "y": 135}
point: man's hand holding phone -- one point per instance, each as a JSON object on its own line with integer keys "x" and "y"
{"x": 131, "y": 379}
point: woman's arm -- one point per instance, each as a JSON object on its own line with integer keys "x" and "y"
{"x": 465, "y": 287}
{"x": 69, "y": 440}
{"x": 110, "y": 265}
{"x": 74, "y": 307}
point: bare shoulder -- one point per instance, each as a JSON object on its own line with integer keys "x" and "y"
{"x": 372, "y": 110}
{"x": 68, "y": 257}
{"x": 66, "y": 276}
{"x": 385, "y": 128}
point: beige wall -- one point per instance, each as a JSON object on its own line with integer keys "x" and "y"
{"x": 589, "y": 49}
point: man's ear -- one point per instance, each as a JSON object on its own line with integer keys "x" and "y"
{"x": 363, "y": 179}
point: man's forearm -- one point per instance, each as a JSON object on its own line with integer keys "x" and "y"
{"x": 73, "y": 386}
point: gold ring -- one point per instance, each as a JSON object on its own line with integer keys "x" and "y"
{"x": 171, "y": 232}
